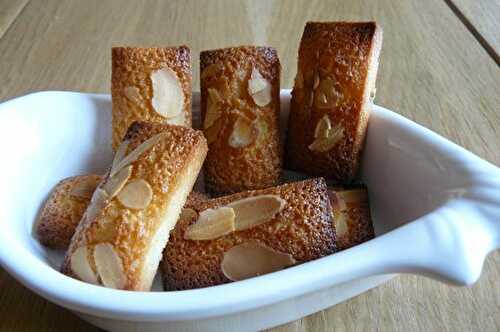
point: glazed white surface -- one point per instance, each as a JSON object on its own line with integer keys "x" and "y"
{"x": 436, "y": 209}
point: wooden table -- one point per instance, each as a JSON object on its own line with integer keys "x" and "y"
{"x": 439, "y": 67}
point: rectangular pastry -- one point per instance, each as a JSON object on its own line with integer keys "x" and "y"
{"x": 150, "y": 84}
{"x": 249, "y": 233}
{"x": 332, "y": 97}
{"x": 120, "y": 240}
{"x": 64, "y": 209}
{"x": 351, "y": 214}
{"x": 240, "y": 108}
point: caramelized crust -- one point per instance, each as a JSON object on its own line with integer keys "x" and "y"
{"x": 257, "y": 163}
{"x": 63, "y": 211}
{"x": 358, "y": 222}
{"x": 304, "y": 229}
{"x": 138, "y": 236}
{"x": 131, "y": 85}
{"x": 337, "y": 68}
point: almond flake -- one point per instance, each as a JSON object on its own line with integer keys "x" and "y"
{"x": 323, "y": 127}
{"x": 252, "y": 259}
{"x": 316, "y": 81}
{"x": 340, "y": 222}
{"x": 132, "y": 156}
{"x": 178, "y": 120}
{"x": 80, "y": 265}
{"x": 355, "y": 196}
{"x": 244, "y": 133}
{"x": 132, "y": 93}
{"x": 120, "y": 153}
{"x": 259, "y": 88}
{"x": 212, "y": 113}
{"x": 212, "y": 133}
{"x": 137, "y": 194}
{"x": 115, "y": 183}
{"x": 168, "y": 97}
{"x": 97, "y": 203}
{"x": 85, "y": 187}
{"x": 211, "y": 224}
{"x": 109, "y": 266}
{"x": 256, "y": 210}
{"x": 188, "y": 214}
{"x": 324, "y": 144}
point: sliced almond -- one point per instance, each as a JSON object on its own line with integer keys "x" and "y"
{"x": 109, "y": 266}
{"x": 137, "y": 195}
{"x": 324, "y": 144}
{"x": 252, "y": 259}
{"x": 212, "y": 133}
{"x": 211, "y": 224}
{"x": 85, "y": 187}
{"x": 132, "y": 156}
{"x": 212, "y": 113}
{"x": 340, "y": 221}
{"x": 115, "y": 183}
{"x": 120, "y": 153}
{"x": 256, "y": 210}
{"x": 316, "y": 80}
{"x": 97, "y": 203}
{"x": 188, "y": 213}
{"x": 133, "y": 94}
{"x": 179, "y": 120}
{"x": 359, "y": 196}
{"x": 328, "y": 94}
{"x": 323, "y": 127}
{"x": 259, "y": 88}
{"x": 80, "y": 265}
{"x": 168, "y": 98}
{"x": 244, "y": 133}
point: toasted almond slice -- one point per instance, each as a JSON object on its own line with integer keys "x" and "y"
{"x": 85, "y": 188}
{"x": 327, "y": 143}
{"x": 132, "y": 93}
{"x": 109, "y": 266}
{"x": 211, "y": 224}
{"x": 212, "y": 113}
{"x": 252, "y": 259}
{"x": 97, "y": 203}
{"x": 212, "y": 133}
{"x": 323, "y": 127}
{"x": 132, "y": 156}
{"x": 188, "y": 213}
{"x": 178, "y": 120}
{"x": 168, "y": 98}
{"x": 259, "y": 88}
{"x": 256, "y": 210}
{"x": 80, "y": 265}
{"x": 244, "y": 133}
{"x": 340, "y": 221}
{"x": 115, "y": 183}
{"x": 359, "y": 196}
{"x": 120, "y": 154}
{"x": 137, "y": 195}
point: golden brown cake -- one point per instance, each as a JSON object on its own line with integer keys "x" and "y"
{"x": 332, "y": 98}
{"x": 120, "y": 240}
{"x": 240, "y": 107}
{"x": 351, "y": 215}
{"x": 150, "y": 84}
{"x": 291, "y": 223}
{"x": 64, "y": 209}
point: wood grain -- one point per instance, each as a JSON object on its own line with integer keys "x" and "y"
{"x": 484, "y": 16}
{"x": 9, "y": 10}
{"x": 433, "y": 71}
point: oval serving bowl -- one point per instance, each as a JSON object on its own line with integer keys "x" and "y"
{"x": 435, "y": 206}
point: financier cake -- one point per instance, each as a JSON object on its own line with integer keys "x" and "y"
{"x": 120, "y": 240}
{"x": 332, "y": 98}
{"x": 150, "y": 84}
{"x": 249, "y": 233}
{"x": 64, "y": 209}
{"x": 240, "y": 108}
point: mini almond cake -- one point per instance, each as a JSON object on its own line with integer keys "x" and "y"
{"x": 150, "y": 84}
{"x": 120, "y": 240}
{"x": 332, "y": 98}
{"x": 240, "y": 112}
{"x": 64, "y": 209}
{"x": 248, "y": 234}
{"x": 351, "y": 215}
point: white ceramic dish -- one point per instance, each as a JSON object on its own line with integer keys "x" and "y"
{"x": 436, "y": 209}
